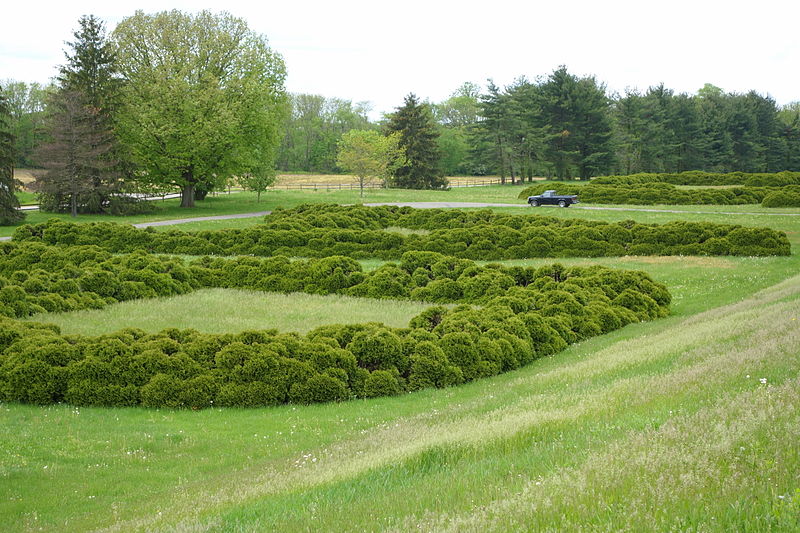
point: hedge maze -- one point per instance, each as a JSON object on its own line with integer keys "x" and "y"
{"x": 769, "y": 190}
{"x": 497, "y": 318}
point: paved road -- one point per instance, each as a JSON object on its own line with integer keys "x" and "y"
{"x": 187, "y": 220}
{"x": 200, "y": 219}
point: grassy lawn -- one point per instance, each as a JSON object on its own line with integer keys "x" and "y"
{"x": 663, "y": 425}
{"x": 235, "y": 311}
{"x": 688, "y": 423}
{"x": 245, "y": 202}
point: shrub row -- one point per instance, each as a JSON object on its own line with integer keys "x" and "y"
{"x": 527, "y": 313}
{"x": 664, "y": 193}
{"x": 694, "y": 177}
{"x": 87, "y": 273}
{"x": 787, "y": 197}
{"x": 35, "y": 278}
{"x": 478, "y": 236}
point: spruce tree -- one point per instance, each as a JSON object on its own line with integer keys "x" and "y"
{"x": 9, "y": 205}
{"x": 419, "y": 141}
{"x": 86, "y": 98}
{"x": 77, "y": 157}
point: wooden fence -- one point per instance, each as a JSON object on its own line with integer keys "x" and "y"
{"x": 481, "y": 182}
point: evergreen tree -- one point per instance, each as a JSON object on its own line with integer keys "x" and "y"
{"x": 592, "y": 133}
{"x": 687, "y": 133}
{"x": 82, "y": 137}
{"x": 76, "y": 158}
{"x": 558, "y": 92}
{"x": 578, "y": 113}
{"x": 419, "y": 141}
{"x": 9, "y": 205}
{"x": 91, "y": 67}
{"x": 789, "y": 120}
{"x": 491, "y": 134}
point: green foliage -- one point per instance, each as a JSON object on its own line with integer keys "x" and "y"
{"x": 787, "y": 197}
{"x": 559, "y": 126}
{"x": 321, "y": 231}
{"x": 382, "y": 383}
{"x": 525, "y": 313}
{"x": 655, "y": 193}
{"x": 414, "y": 124}
{"x": 9, "y": 205}
{"x": 218, "y": 112}
{"x": 369, "y": 155}
{"x": 313, "y": 130}
{"x": 26, "y": 107}
{"x": 694, "y": 177}
{"x": 82, "y": 156}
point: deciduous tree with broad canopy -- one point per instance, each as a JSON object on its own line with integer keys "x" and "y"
{"x": 204, "y": 98}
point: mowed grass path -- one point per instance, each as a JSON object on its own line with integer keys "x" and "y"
{"x": 674, "y": 424}
{"x": 232, "y": 311}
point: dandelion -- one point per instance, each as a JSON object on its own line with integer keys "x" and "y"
{"x": 763, "y": 381}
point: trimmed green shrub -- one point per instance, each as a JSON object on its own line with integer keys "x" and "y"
{"x": 477, "y": 235}
{"x": 382, "y": 383}
{"x": 788, "y": 197}
{"x": 526, "y": 313}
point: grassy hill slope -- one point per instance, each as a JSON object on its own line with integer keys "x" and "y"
{"x": 680, "y": 423}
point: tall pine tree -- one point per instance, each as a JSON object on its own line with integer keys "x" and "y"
{"x": 9, "y": 205}
{"x": 419, "y": 140}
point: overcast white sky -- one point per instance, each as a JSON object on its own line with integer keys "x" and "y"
{"x": 380, "y": 51}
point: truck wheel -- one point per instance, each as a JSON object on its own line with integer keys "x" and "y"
{"x": 534, "y": 203}
{"x": 562, "y": 203}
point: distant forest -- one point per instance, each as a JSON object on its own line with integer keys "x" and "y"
{"x": 560, "y": 125}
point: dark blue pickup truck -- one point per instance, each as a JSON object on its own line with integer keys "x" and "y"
{"x": 551, "y": 198}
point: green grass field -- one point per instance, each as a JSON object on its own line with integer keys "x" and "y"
{"x": 687, "y": 423}
{"x": 231, "y": 311}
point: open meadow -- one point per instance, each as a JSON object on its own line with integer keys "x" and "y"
{"x": 688, "y": 422}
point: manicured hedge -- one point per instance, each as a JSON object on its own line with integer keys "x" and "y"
{"x": 525, "y": 313}
{"x": 35, "y": 278}
{"x": 694, "y": 177}
{"x": 321, "y": 231}
{"x": 663, "y": 194}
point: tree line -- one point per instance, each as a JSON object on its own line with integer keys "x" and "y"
{"x": 168, "y": 101}
{"x": 189, "y": 102}
{"x": 564, "y": 126}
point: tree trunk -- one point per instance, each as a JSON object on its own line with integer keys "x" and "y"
{"x": 187, "y": 195}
